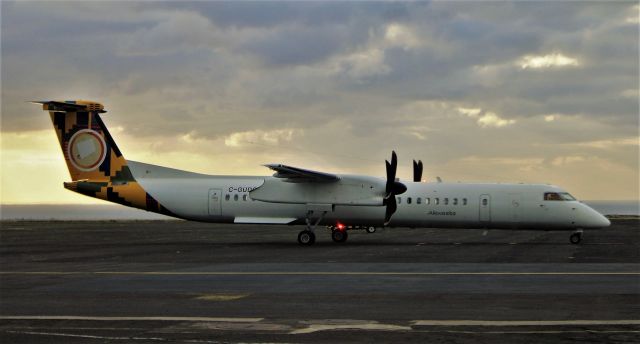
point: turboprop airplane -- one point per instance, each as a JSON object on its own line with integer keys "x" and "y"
{"x": 296, "y": 196}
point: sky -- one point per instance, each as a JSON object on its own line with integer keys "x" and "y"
{"x": 534, "y": 92}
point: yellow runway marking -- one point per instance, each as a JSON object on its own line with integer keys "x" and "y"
{"x": 322, "y": 273}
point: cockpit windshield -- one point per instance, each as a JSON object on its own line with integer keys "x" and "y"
{"x": 558, "y": 196}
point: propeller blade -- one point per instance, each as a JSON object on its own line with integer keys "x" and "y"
{"x": 391, "y": 208}
{"x": 389, "y": 186}
{"x": 417, "y": 170}
{"x": 394, "y": 164}
{"x": 393, "y": 188}
{"x": 391, "y": 173}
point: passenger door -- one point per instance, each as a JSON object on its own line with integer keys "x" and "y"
{"x": 515, "y": 200}
{"x": 215, "y": 198}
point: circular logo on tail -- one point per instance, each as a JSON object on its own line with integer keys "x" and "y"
{"x": 87, "y": 150}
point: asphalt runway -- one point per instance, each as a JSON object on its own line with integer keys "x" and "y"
{"x": 176, "y": 281}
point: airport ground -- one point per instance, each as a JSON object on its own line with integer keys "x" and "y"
{"x": 176, "y": 281}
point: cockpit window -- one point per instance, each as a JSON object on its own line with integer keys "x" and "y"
{"x": 558, "y": 196}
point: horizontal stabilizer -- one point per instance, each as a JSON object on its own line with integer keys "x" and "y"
{"x": 71, "y": 105}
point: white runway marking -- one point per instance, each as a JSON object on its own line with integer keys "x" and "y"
{"x": 523, "y": 322}
{"x": 318, "y": 325}
{"x": 87, "y": 336}
{"x": 364, "y": 326}
{"x": 99, "y": 318}
{"x": 321, "y": 273}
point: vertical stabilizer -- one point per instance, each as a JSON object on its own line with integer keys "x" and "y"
{"x": 96, "y": 165}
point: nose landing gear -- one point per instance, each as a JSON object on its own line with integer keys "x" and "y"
{"x": 576, "y": 237}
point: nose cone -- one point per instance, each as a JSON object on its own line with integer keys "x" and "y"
{"x": 604, "y": 222}
{"x": 596, "y": 220}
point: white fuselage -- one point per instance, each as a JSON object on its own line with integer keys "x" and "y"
{"x": 227, "y": 199}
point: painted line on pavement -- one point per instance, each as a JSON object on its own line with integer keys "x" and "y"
{"x": 111, "y": 318}
{"x": 321, "y": 273}
{"x": 523, "y": 322}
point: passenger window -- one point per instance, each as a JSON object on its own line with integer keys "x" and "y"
{"x": 408, "y": 200}
{"x": 427, "y": 201}
{"x": 455, "y": 201}
{"x": 464, "y": 201}
{"x": 446, "y": 201}
{"x": 227, "y": 197}
{"x": 235, "y": 197}
{"x": 244, "y": 197}
{"x": 484, "y": 202}
{"x": 418, "y": 200}
{"x": 399, "y": 200}
{"x": 436, "y": 201}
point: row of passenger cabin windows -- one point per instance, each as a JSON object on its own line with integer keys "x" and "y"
{"x": 227, "y": 197}
{"x": 436, "y": 201}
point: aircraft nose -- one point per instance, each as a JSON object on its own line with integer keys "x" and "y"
{"x": 597, "y": 220}
{"x": 603, "y": 221}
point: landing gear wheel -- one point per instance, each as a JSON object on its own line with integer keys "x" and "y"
{"x": 371, "y": 230}
{"x": 575, "y": 238}
{"x": 339, "y": 236}
{"x": 306, "y": 237}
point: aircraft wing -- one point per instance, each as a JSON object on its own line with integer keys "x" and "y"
{"x": 292, "y": 174}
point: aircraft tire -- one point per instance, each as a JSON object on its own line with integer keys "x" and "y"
{"x": 339, "y": 236}
{"x": 575, "y": 238}
{"x": 371, "y": 230}
{"x": 306, "y": 237}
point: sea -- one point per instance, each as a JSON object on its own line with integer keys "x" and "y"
{"x": 106, "y": 212}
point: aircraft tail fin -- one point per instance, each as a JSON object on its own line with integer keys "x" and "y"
{"x": 96, "y": 165}
{"x": 89, "y": 150}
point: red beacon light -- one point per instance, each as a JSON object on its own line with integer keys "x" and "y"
{"x": 340, "y": 226}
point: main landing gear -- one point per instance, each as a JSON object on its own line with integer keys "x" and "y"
{"x": 576, "y": 237}
{"x": 339, "y": 235}
{"x": 307, "y": 237}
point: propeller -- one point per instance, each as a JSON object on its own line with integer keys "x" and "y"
{"x": 393, "y": 188}
{"x": 417, "y": 171}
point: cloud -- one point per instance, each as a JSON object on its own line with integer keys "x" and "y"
{"x": 490, "y": 119}
{"x": 612, "y": 143}
{"x": 172, "y": 32}
{"x": 470, "y": 112}
{"x": 564, "y": 160}
{"x": 487, "y": 119}
{"x": 547, "y": 61}
{"x": 402, "y": 36}
{"x": 273, "y": 137}
{"x": 634, "y": 17}
{"x": 355, "y": 78}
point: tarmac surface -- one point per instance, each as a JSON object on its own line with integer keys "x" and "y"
{"x": 176, "y": 281}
